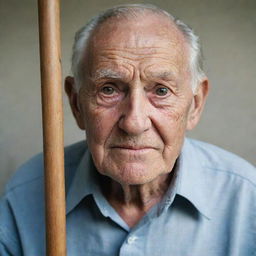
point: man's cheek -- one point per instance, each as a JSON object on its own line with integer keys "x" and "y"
{"x": 96, "y": 131}
{"x": 98, "y": 127}
{"x": 174, "y": 117}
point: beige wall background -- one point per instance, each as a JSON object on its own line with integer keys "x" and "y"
{"x": 227, "y": 31}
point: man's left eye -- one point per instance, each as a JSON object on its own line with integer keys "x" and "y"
{"x": 108, "y": 90}
{"x": 162, "y": 91}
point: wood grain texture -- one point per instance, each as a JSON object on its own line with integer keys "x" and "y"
{"x": 50, "y": 60}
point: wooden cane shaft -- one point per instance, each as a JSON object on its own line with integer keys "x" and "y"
{"x": 50, "y": 60}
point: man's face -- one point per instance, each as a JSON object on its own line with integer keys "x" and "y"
{"x": 136, "y": 100}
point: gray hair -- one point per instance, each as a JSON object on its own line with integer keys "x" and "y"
{"x": 82, "y": 37}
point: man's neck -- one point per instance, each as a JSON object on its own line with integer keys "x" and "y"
{"x": 132, "y": 202}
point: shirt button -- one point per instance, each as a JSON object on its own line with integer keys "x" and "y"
{"x": 131, "y": 239}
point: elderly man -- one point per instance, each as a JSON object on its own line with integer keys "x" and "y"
{"x": 138, "y": 187}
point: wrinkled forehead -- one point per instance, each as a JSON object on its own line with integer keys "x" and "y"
{"x": 143, "y": 36}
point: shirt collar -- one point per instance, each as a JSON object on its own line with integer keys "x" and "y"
{"x": 83, "y": 183}
{"x": 193, "y": 179}
{"x": 190, "y": 183}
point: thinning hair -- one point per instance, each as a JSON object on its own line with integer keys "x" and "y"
{"x": 83, "y": 35}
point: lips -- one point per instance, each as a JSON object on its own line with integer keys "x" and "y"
{"x": 134, "y": 147}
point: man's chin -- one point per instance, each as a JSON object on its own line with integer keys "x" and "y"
{"x": 134, "y": 174}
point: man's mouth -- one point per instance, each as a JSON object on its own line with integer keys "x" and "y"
{"x": 133, "y": 148}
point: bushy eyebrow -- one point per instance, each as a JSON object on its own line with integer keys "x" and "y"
{"x": 163, "y": 75}
{"x": 106, "y": 73}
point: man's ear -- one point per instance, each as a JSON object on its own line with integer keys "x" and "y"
{"x": 74, "y": 101}
{"x": 198, "y": 103}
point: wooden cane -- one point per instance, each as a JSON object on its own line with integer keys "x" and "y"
{"x": 50, "y": 60}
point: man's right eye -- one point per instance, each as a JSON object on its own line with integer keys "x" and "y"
{"x": 108, "y": 90}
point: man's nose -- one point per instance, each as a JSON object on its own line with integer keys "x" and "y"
{"x": 135, "y": 115}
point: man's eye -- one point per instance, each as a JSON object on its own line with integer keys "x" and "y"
{"x": 108, "y": 90}
{"x": 162, "y": 91}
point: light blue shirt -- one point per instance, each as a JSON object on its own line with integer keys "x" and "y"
{"x": 208, "y": 210}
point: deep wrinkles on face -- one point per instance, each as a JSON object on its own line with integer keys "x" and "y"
{"x": 140, "y": 54}
{"x": 115, "y": 67}
{"x": 168, "y": 122}
{"x": 176, "y": 114}
{"x": 131, "y": 66}
{"x": 101, "y": 36}
{"x": 135, "y": 53}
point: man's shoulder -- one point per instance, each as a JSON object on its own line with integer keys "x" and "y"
{"x": 218, "y": 159}
{"x": 33, "y": 170}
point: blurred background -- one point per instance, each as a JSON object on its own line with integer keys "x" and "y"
{"x": 227, "y": 32}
